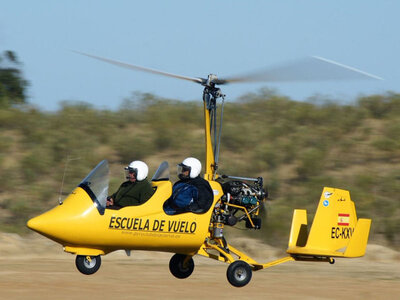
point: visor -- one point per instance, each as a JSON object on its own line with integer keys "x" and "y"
{"x": 129, "y": 170}
{"x": 183, "y": 168}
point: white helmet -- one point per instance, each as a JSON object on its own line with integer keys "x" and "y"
{"x": 192, "y": 164}
{"x": 139, "y": 168}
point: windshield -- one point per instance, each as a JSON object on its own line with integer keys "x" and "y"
{"x": 162, "y": 172}
{"x": 96, "y": 185}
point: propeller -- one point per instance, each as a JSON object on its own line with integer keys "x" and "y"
{"x": 312, "y": 68}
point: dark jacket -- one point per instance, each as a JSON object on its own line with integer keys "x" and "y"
{"x": 205, "y": 195}
{"x": 132, "y": 193}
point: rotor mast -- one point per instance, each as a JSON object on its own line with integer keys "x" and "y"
{"x": 210, "y": 160}
{"x": 210, "y": 96}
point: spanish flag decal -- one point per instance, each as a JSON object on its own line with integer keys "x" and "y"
{"x": 343, "y": 219}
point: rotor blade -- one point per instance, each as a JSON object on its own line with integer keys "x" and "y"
{"x": 308, "y": 69}
{"x": 143, "y": 69}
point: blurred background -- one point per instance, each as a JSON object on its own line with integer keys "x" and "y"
{"x": 61, "y": 113}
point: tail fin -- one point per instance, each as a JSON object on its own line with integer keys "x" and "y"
{"x": 335, "y": 231}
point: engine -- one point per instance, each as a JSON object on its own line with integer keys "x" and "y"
{"x": 241, "y": 202}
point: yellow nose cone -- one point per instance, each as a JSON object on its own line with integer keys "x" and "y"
{"x": 43, "y": 224}
{"x": 38, "y": 224}
{"x": 64, "y": 223}
{"x": 33, "y": 224}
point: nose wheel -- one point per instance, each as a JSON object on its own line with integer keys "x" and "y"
{"x": 239, "y": 273}
{"x": 88, "y": 265}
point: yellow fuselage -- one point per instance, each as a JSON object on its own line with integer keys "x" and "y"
{"x": 78, "y": 225}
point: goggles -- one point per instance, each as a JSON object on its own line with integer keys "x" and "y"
{"x": 183, "y": 168}
{"x": 129, "y": 170}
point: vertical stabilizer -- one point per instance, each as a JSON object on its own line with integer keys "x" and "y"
{"x": 335, "y": 230}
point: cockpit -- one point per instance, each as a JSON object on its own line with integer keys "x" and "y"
{"x": 96, "y": 182}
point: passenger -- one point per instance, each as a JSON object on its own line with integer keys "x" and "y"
{"x": 136, "y": 190}
{"x": 191, "y": 192}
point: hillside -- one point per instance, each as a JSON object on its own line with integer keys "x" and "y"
{"x": 298, "y": 147}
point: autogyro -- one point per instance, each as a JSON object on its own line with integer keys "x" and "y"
{"x": 84, "y": 226}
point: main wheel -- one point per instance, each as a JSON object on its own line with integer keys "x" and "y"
{"x": 239, "y": 273}
{"x": 179, "y": 268}
{"x": 88, "y": 265}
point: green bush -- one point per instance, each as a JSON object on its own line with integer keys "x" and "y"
{"x": 311, "y": 163}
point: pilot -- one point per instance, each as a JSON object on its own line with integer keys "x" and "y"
{"x": 191, "y": 192}
{"x": 136, "y": 190}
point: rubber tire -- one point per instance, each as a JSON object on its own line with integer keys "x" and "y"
{"x": 239, "y": 273}
{"x": 177, "y": 269}
{"x": 86, "y": 267}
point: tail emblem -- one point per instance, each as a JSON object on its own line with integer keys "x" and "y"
{"x": 343, "y": 219}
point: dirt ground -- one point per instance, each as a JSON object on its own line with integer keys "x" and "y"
{"x": 35, "y": 268}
